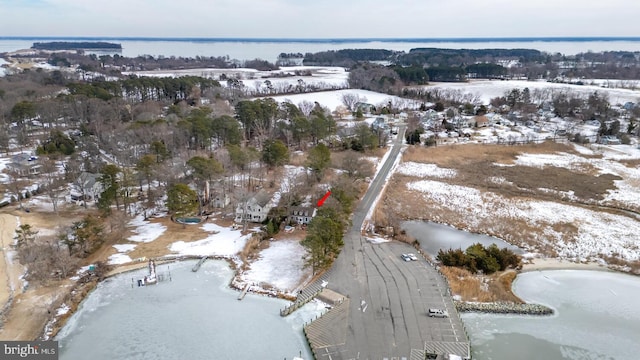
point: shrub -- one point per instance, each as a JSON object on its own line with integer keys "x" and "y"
{"x": 478, "y": 258}
{"x": 625, "y": 139}
{"x": 430, "y": 141}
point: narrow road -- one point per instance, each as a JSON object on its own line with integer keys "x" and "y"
{"x": 388, "y": 297}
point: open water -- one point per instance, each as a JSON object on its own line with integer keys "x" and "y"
{"x": 197, "y": 316}
{"x": 269, "y": 49}
{"x": 597, "y": 318}
{"x": 435, "y": 237}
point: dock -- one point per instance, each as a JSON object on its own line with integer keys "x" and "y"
{"x": 244, "y": 292}
{"x": 196, "y": 267}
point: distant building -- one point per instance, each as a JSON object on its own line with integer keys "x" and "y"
{"x": 254, "y": 209}
{"x": 301, "y": 214}
{"x": 365, "y": 107}
{"x": 86, "y": 187}
{"x": 219, "y": 198}
{"x": 481, "y": 121}
{"x": 610, "y": 140}
{"x": 24, "y": 165}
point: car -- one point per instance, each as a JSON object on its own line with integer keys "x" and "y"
{"x": 405, "y": 257}
{"x": 412, "y": 256}
{"x": 438, "y": 313}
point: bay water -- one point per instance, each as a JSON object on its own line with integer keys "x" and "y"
{"x": 193, "y": 316}
{"x": 596, "y": 317}
{"x": 266, "y": 49}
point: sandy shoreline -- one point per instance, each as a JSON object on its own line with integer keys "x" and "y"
{"x": 541, "y": 264}
{"x": 10, "y": 268}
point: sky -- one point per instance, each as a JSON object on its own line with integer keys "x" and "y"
{"x": 320, "y": 18}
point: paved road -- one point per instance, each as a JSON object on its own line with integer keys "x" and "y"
{"x": 388, "y": 297}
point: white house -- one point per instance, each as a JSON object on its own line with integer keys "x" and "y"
{"x": 87, "y": 187}
{"x": 254, "y": 209}
{"x": 301, "y": 214}
{"x": 220, "y": 198}
{"x": 216, "y": 195}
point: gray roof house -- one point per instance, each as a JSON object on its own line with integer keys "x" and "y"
{"x": 87, "y": 187}
{"x": 24, "y": 164}
{"x": 255, "y": 209}
{"x": 219, "y": 198}
{"x": 301, "y": 214}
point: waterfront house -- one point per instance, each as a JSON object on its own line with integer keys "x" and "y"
{"x": 301, "y": 214}
{"x": 254, "y": 209}
{"x": 24, "y": 165}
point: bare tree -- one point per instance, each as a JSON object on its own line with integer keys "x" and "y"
{"x": 355, "y": 166}
{"x": 350, "y": 100}
{"x": 17, "y": 185}
{"x": 53, "y": 182}
{"x": 306, "y": 107}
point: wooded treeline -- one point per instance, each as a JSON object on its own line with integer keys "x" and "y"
{"x": 75, "y": 45}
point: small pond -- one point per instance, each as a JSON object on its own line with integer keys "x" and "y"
{"x": 189, "y": 220}
{"x": 435, "y": 237}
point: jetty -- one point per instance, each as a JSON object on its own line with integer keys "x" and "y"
{"x": 307, "y": 294}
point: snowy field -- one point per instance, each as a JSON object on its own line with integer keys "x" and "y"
{"x": 281, "y": 266}
{"x": 222, "y": 241}
{"x": 251, "y": 78}
{"x": 598, "y": 233}
{"x": 145, "y": 230}
{"x": 333, "y": 99}
{"x": 486, "y": 90}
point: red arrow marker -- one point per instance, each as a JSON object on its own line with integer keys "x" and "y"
{"x": 324, "y": 198}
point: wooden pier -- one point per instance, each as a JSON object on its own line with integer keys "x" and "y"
{"x": 244, "y": 292}
{"x": 196, "y": 267}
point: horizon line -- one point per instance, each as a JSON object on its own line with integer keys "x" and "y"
{"x": 337, "y": 39}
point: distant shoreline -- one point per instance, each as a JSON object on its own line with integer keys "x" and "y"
{"x": 331, "y": 40}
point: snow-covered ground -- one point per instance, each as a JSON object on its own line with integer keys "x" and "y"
{"x": 291, "y": 174}
{"x": 279, "y": 268}
{"x": 598, "y": 233}
{"x": 333, "y": 99}
{"x": 222, "y": 241}
{"x": 119, "y": 258}
{"x": 486, "y": 90}
{"x": 627, "y": 193}
{"x": 425, "y": 170}
{"x": 281, "y": 265}
{"x": 4, "y": 178}
{"x": 319, "y": 76}
{"x": 145, "y": 230}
